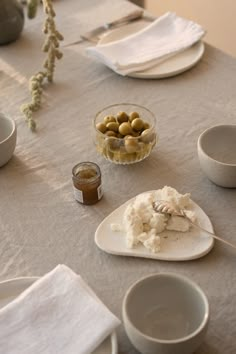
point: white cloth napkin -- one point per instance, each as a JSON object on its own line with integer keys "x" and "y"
{"x": 165, "y": 37}
{"x": 58, "y": 314}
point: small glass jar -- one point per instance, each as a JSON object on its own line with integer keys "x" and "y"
{"x": 86, "y": 177}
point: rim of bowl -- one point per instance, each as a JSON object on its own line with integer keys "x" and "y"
{"x": 201, "y": 136}
{"x": 13, "y": 127}
{"x": 123, "y": 104}
{"x": 184, "y": 279}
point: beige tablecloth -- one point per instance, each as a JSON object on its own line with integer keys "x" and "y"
{"x": 42, "y": 225}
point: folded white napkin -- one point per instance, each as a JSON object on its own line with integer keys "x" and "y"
{"x": 165, "y": 37}
{"x": 58, "y": 314}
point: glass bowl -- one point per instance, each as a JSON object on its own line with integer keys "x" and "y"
{"x": 125, "y": 133}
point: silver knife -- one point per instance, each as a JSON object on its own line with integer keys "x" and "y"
{"x": 92, "y": 35}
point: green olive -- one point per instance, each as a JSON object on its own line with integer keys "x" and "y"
{"x": 137, "y": 124}
{"x": 131, "y": 144}
{"x": 122, "y": 117}
{"x": 109, "y": 119}
{"x": 146, "y": 125}
{"x": 101, "y": 127}
{"x": 133, "y": 115}
{"x": 148, "y": 136}
{"x": 135, "y": 134}
{"x": 112, "y": 144}
{"x": 110, "y": 133}
{"x": 125, "y": 128}
{"x": 114, "y": 126}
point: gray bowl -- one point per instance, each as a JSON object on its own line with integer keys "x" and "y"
{"x": 217, "y": 154}
{"x": 8, "y": 135}
{"x": 165, "y": 313}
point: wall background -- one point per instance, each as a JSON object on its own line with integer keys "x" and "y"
{"x": 216, "y": 16}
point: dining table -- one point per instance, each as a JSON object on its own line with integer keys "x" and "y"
{"x": 41, "y": 223}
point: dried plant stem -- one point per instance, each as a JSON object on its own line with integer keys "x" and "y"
{"x": 51, "y": 45}
{"x": 32, "y": 6}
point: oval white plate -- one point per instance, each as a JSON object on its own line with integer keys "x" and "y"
{"x": 175, "y": 246}
{"x": 170, "y": 67}
{"x": 10, "y": 289}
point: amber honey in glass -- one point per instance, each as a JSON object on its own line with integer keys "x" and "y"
{"x": 87, "y": 183}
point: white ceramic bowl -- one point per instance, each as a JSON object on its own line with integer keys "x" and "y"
{"x": 165, "y": 313}
{"x": 217, "y": 154}
{"x": 7, "y": 139}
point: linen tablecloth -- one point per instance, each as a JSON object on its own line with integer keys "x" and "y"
{"x": 41, "y": 225}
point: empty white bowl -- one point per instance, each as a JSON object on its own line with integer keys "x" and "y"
{"x": 217, "y": 154}
{"x": 165, "y": 313}
{"x": 7, "y": 138}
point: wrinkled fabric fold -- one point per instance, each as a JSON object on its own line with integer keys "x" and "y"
{"x": 165, "y": 37}
{"x": 59, "y": 314}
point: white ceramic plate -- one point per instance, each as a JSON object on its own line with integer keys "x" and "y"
{"x": 11, "y": 288}
{"x": 170, "y": 67}
{"x": 175, "y": 246}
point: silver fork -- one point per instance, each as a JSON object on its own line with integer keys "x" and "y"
{"x": 164, "y": 207}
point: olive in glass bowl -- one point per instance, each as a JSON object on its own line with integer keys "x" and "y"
{"x": 125, "y": 133}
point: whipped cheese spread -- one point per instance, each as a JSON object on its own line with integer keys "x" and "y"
{"x": 142, "y": 224}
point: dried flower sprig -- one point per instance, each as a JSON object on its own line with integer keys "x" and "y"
{"x": 51, "y": 45}
{"x": 32, "y": 6}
